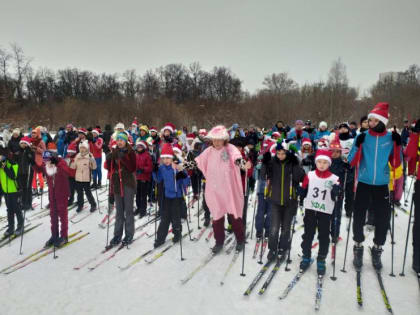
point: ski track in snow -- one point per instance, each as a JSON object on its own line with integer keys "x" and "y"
{"x": 51, "y": 286}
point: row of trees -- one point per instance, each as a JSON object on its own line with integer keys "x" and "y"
{"x": 187, "y": 95}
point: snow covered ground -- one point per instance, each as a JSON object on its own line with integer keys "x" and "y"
{"x": 52, "y": 286}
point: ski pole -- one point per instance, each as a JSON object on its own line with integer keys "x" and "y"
{"x": 408, "y": 194}
{"x": 189, "y": 231}
{"x": 244, "y": 223}
{"x": 109, "y": 213}
{"x": 406, "y": 239}
{"x": 156, "y": 208}
{"x": 290, "y": 243}
{"x": 347, "y": 244}
{"x": 23, "y": 231}
{"x": 253, "y": 216}
{"x": 97, "y": 200}
{"x": 393, "y": 209}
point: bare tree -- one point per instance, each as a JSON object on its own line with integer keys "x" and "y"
{"x": 22, "y": 66}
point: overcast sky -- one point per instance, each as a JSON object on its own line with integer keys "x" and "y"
{"x": 251, "y": 37}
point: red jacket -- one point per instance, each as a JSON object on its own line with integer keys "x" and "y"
{"x": 96, "y": 148}
{"x": 412, "y": 155}
{"x": 144, "y": 166}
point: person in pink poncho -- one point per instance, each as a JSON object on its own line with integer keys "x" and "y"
{"x": 220, "y": 165}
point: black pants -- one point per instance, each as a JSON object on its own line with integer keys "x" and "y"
{"x": 376, "y": 198}
{"x": 170, "y": 214}
{"x": 141, "y": 196}
{"x": 84, "y": 186}
{"x": 416, "y": 227}
{"x": 13, "y": 208}
{"x": 25, "y": 183}
{"x": 281, "y": 217}
{"x": 312, "y": 221}
{"x": 72, "y": 185}
{"x": 196, "y": 178}
{"x": 349, "y": 195}
{"x": 205, "y": 207}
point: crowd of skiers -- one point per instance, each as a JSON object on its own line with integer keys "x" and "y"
{"x": 364, "y": 170}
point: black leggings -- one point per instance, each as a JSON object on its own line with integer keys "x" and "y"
{"x": 312, "y": 220}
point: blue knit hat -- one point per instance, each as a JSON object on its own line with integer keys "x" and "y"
{"x": 122, "y": 136}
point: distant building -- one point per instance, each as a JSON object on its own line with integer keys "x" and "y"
{"x": 391, "y": 75}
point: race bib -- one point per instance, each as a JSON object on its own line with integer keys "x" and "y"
{"x": 319, "y": 193}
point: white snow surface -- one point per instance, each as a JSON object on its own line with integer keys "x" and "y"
{"x": 51, "y": 286}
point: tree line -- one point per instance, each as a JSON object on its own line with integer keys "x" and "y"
{"x": 187, "y": 95}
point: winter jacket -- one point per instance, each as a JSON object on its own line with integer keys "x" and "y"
{"x": 292, "y": 135}
{"x": 107, "y": 137}
{"x": 13, "y": 144}
{"x": 60, "y": 142}
{"x": 39, "y": 147}
{"x": 144, "y": 166}
{"x": 376, "y": 150}
{"x": 58, "y": 184}
{"x": 319, "y": 134}
{"x": 84, "y": 164}
{"x": 339, "y": 168}
{"x": 8, "y": 177}
{"x": 412, "y": 152}
{"x": 173, "y": 187}
{"x": 405, "y": 135}
{"x": 70, "y": 137}
{"x": 284, "y": 178}
{"x": 96, "y": 147}
{"x": 25, "y": 160}
{"x": 121, "y": 166}
{"x": 46, "y": 137}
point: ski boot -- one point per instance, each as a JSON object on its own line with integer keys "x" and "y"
{"x": 229, "y": 229}
{"x": 177, "y": 237}
{"x": 70, "y": 202}
{"x": 320, "y": 266}
{"x": 358, "y": 257}
{"x": 93, "y": 207}
{"x": 127, "y": 241}
{"x": 8, "y": 233}
{"x": 206, "y": 222}
{"x": 50, "y": 242}
{"x": 240, "y": 246}
{"x": 79, "y": 209}
{"x": 19, "y": 230}
{"x": 60, "y": 241}
{"x": 217, "y": 248}
{"x": 114, "y": 242}
{"x": 271, "y": 255}
{"x": 137, "y": 212}
{"x": 376, "y": 257}
{"x": 305, "y": 263}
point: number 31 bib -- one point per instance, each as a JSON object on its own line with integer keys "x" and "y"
{"x": 319, "y": 193}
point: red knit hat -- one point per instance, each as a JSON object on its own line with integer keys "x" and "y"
{"x": 167, "y": 151}
{"x": 26, "y": 140}
{"x": 380, "y": 111}
{"x": 323, "y": 155}
{"x": 83, "y": 130}
{"x": 306, "y": 141}
{"x": 97, "y": 131}
{"x": 275, "y": 135}
{"x": 141, "y": 143}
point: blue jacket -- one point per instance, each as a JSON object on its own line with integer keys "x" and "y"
{"x": 376, "y": 152}
{"x": 60, "y": 142}
{"x": 292, "y": 136}
{"x": 168, "y": 175}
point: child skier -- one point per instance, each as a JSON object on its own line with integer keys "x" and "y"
{"x": 370, "y": 154}
{"x": 283, "y": 177}
{"x": 96, "y": 146}
{"x": 144, "y": 169}
{"x": 320, "y": 189}
{"x": 25, "y": 159}
{"x": 84, "y": 163}
{"x": 174, "y": 181}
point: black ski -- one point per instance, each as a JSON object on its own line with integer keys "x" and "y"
{"x": 273, "y": 272}
{"x": 381, "y": 285}
{"x": 359, "y": 288}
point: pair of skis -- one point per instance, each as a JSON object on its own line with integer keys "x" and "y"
{"x": 260, "y": 243}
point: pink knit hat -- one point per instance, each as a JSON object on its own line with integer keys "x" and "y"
{"x": 218, "y": 133}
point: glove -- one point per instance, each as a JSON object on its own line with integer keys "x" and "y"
{"x": 54, "y": 160}
{"x": 266, "y": 158}
{"x": 396, "y": 138}
{"x": 360, "y": 139}
{"x": 301, "y": 192}
{"x": 335, "y": 192}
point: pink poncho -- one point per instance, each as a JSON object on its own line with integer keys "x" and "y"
{"x": 224, "y": 193}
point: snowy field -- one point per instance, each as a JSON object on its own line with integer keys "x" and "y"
{"x": 52, "y": 286}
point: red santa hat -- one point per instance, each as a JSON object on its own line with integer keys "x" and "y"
{"x": 190, "y": 136}
{"x": 71, "y": 149}
{"x": 275, "y": 135}
{"x": 26, "y": 140}
{"x": 52, "y": 147}
{"x": 83, "y": 130}
{"x": 135, "y": 123}
{"x": 169, "y": 126}
{"x": 323, "y": 155}
{"x": 218, "y": 133}
{"x": 202, "y": 132}
{"x": 335, "y": 144}
{"x": 323, "y": 143}
{"x": 177, "y": 149}
{"x": 97, "y": 131}
{"x": 153, "y": 129}
{"x": 141, "y": 143}
{"x": 167, "y": 151}
{"x": 306, "y": 141}
{"x": 380, "y": 111}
